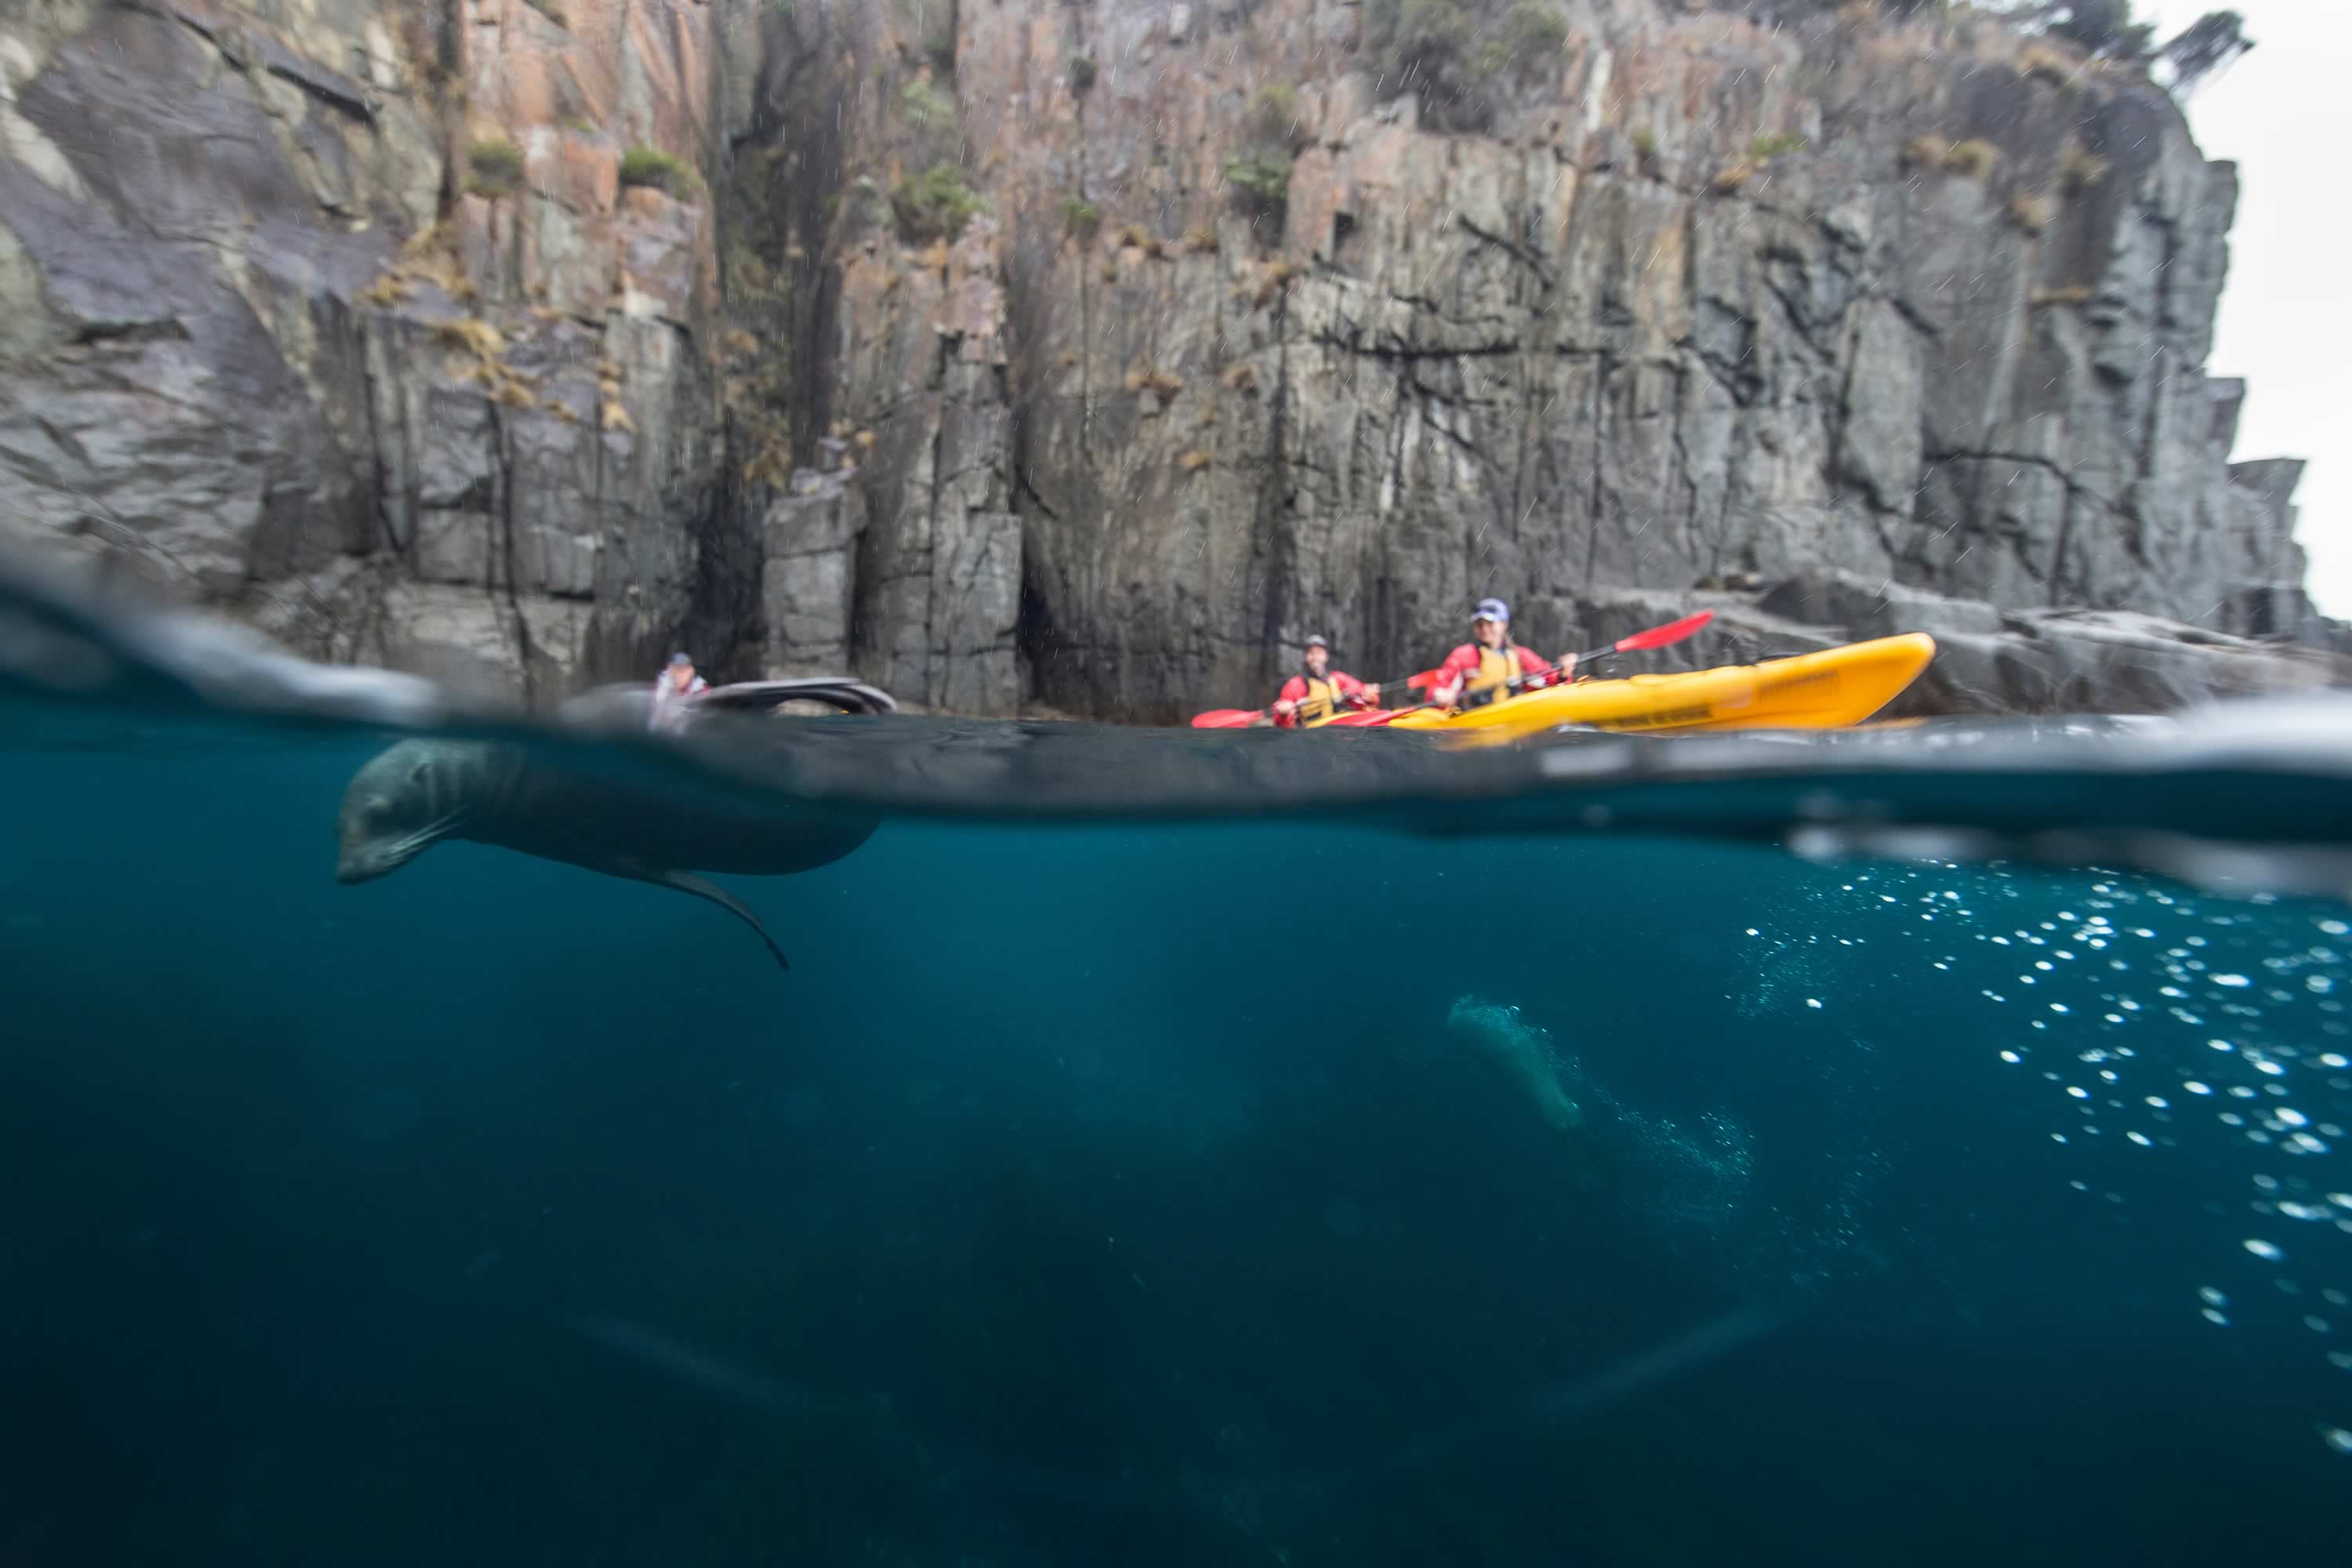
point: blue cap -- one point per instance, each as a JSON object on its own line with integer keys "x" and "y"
{"x": 679, "y": 659}
{"x": 1493, "y": 610}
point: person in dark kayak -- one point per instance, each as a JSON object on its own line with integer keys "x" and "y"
{"x": 1474, "y": 673}
{"x": 673, "y": 688}
{"x": 1316, "y": 691}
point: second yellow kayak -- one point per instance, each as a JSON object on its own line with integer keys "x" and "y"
{"x": 1832, "y": 689}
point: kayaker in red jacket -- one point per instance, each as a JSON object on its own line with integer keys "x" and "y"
{"x": 1313, "y": 693}
{"x": 1474, "y": 673}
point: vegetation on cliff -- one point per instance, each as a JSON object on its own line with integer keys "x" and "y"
{"x": 493, "y": 167}
{"x": 656, "y": 170}
{"x": 1463, "y": 59}
{"x": 936, "y": 204}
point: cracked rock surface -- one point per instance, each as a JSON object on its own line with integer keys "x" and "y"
{"x": 1888, "y": 315}
{"x": 266, "y": 349}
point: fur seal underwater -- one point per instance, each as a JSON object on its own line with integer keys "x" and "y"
{"x": 1521, "y": 1055}
{"x": 417, "y": 792}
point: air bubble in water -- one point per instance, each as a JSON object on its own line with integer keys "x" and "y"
{"x": 2265, "y": 1250}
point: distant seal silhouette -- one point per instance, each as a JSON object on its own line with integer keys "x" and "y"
{"x": 419, "y": 792}
{"x": 1521, "y": 1055}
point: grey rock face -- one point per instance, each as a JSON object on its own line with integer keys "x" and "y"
{"x": 221, "y": 359}
{"x": 1610, "y": 345}
{"x": 1942, "y": 329}
{"x": 2043, "y": 661}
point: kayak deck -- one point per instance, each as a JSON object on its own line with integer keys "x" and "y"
{"x": 1834, "y": 689}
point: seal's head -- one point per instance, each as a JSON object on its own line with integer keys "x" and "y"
{"x": 394, "y": 810}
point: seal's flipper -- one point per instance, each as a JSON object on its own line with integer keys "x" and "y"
{"x": 688, "y": 882}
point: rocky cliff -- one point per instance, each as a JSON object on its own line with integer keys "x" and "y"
{"x": 1094, "y": 355}
{"x": 271, "y": 338}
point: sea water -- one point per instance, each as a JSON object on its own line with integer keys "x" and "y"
{"x": 1219, "y": 1186}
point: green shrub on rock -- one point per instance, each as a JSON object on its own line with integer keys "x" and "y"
{"x": 1463, "y": 58}
{"x": 1534, "y": 31}
{"x": 1274, "y": 113}
{"x": 935, "y": 204}
{"x": 1261, "y": 181}
{"x": 654, "y": 170}
{"x": 925, "y": 106}
{"x": 493, "y": 167}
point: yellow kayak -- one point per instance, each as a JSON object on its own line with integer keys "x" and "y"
{"x": 1832, "y": 689}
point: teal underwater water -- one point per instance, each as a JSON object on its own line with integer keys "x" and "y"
{"x": 1225, "y": 1190}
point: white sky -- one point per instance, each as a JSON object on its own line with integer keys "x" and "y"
{"x": 2282, "y": 113}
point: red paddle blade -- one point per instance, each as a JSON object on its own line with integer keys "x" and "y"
{"x": 1659, "y": 637}
{"x": 1224, "y": 719}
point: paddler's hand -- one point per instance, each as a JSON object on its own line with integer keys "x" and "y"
{"x": 1372, "y": 697}
{"x": 1566, "y": 670}
{"x": 1286, "y": 708}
